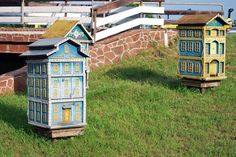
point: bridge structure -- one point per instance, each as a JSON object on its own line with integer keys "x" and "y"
{"x": 121, "y": 29}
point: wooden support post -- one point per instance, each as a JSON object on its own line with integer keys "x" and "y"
{"x": 22, "y": 11}
{"x": 141, "y": 14}
{"x": 65, "y": 6}
{"x": 166, "y": 42}
{"x": 94, "y": 24}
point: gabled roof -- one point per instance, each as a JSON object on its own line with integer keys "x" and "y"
{"x": 199, "y": 19}
{"x": 61, "y": 28}
{"x": 46, "y": 47}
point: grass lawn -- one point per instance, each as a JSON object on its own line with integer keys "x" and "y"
{"x": 137, "y": 108}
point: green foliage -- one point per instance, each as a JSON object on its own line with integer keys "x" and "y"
{"x": 136, "y": 108}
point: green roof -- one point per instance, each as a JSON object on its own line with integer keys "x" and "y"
{"x": 59, "y": 29}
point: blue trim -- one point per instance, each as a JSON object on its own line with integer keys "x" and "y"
{"x": 216, "y": 22}
{"x": 193, "y": 73}
{"x": 193, "y": 53}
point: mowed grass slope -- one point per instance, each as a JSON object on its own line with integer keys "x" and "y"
{"x": 136, "y": 108}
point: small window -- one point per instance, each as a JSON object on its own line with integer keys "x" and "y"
{"x": 37, "y": 70}
{"x": 55, "y": 108}
{"x": 30, "y": 68}
{"x": 66, "y": 88}
{"x": 77, "y": 112}
{"x": 55, "y": 114}
{"x": 197, "y": 68}
{"x": 182, "y": 33}
{"x": 66, "y": 67}
{"x": 190, "y": 33}
{"x": 207, "y": 48}
{"x": 197, "y": 33}
{"x": 183, "y": 46}
{"x": 222, "y": 33}
{"x": 38, "y": 112}
{"x": 31, "y": 86}
{"x": 222, "y": 48}
{"x": 197, "y": 47}
{"x": 183, "y": 66}
{"x": 44, "y": 113}
{"x": 77, "y": 67}
{"x": 66, "y": 49}
{"x": 215, "y": 32}
{"x": 31, "y": 110}
{"x": 207, "y": 68}
{"x": 222, "y": 67}
{"x": 190, "y": 67}
{"x": 55, "y": 88}
{"x": 208, "y": 32}
{"x": 190, "y": 46}
{"x": 77, "y": 89}
{"x": 55, "y": 68}
{"x": 44, "y": 88}
{"x": 44, "y": 68}
{"x": 37, "y": 87}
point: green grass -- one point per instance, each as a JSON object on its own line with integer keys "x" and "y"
{"x": 136, "y": 108}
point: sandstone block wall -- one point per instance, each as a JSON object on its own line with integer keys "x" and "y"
{"x": 13, "y": 81}
{"x": 107, "y": 51}
{"x": 124, "y": 45}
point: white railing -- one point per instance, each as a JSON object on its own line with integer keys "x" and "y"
{"x": 128, "y": 24}
{"x": 44, "y": 14}
{"x": 128, "y": 13}
{"x": 121, "y": 20}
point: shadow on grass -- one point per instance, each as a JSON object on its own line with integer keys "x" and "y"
{"x": 142, "y": 75}
{"x": 15, "y": 115}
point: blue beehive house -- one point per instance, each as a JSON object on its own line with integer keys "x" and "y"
{"x": 56, "y": 86}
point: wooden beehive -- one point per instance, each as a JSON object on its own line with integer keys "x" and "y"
{"x": 202, "y": 47}
{"x": 56, "y": 85}
{"x": 72, "y": 29}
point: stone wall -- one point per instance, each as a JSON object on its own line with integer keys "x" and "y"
{"x": 13, "y": 81}
{"x": 108, "y": 51}
{"x": 124, "y": 45}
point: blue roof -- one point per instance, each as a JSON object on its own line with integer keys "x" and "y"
{"x": 46, "y": 47}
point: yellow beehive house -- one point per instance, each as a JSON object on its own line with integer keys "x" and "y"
{"x": 202, "y": 47}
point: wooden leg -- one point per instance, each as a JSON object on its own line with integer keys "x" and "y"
{"x": 203, "y": 90}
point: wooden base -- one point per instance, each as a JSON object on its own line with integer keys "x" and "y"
{"x": 60, "y": 133}
{"x": 202, "y": 85}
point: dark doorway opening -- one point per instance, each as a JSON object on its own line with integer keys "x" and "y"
{"x": 10, "y": 62}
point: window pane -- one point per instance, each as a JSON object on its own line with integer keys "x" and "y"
{"x": 37, "y": 69}
{"x": 66, "y": 49}
{"x": 44, "y": 68}
{"x": 222, "y": 67}
{"x": 208, "y": 32}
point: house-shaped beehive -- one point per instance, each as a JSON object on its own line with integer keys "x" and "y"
{"x": 72, "y": 29}
{"x": 201, "y": 44}
{"x": 56, "y": 85}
